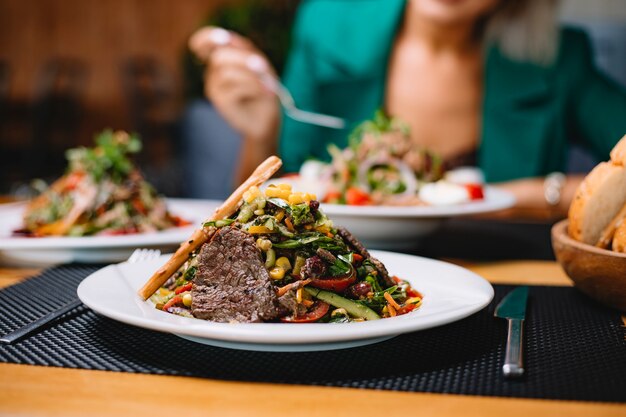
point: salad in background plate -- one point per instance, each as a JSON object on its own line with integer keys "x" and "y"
{"x": 102, "y": 193}
{"x": 381, "y": 166}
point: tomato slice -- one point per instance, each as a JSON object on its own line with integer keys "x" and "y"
{"x": 335, "y": 284}
{"x": 475, "y": 191}
{"x": 332, "y": 197}
{"x": 318, "y": 311}
{"x": 357, "y": 197}
{"x": 73, "y": 179}
{"x": 356, "y": 258}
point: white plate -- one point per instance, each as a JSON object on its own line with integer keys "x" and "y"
{"x": 450, "y": 293}
{"x": 51, "y": 250}
{"x": 394, "y": 227}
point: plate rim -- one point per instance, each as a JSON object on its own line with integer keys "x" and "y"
{"x": 495, "y": 199}
{"x": 256, "y": 333}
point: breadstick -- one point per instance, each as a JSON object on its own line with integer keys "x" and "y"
{"x": 261, "y": 174}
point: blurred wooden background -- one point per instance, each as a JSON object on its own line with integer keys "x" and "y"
{"x": 69, "y": 68}
{"x": 103, "y": 35}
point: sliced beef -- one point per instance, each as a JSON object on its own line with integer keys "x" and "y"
{"x": 232, "y": 283}
{"x": 358, "y": 247}
{"x": 289, "y": 305}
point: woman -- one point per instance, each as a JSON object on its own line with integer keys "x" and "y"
{"x": 492, "y": 78}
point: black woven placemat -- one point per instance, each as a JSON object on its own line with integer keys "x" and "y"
{"x": 575, "y": 349}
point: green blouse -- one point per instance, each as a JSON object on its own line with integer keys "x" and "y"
{"x": 338, "y": 66}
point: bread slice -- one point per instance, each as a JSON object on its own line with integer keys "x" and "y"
{"x": 619, "y": 238}
{"x": 598, "y": 199}
{"x": 618, "y": 154}
{"x": 609, "y": 231}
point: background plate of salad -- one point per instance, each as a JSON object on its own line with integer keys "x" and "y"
{"x": 97, "y": 248}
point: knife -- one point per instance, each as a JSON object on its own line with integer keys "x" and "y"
{"x": 513, "y": 308}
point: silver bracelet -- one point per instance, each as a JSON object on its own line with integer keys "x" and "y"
{"x": 553, "y": 187}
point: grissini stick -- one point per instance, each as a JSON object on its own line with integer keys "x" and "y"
{"x": 261, "y": 174}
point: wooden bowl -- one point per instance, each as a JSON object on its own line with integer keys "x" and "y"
{"x": 599, "y": 273}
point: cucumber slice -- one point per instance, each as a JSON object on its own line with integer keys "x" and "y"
{"x": 353, "y": 308}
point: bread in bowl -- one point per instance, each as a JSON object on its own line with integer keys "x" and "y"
{"x": 599, "y": 200}
{"x": 619, "y": 238}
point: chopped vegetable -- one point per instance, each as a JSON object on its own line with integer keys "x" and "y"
{"x": 352, "y": 307}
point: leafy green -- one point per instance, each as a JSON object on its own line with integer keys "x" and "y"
{"x": 190, "y": 273}
{"x": 380, "y": 123}
{"x": 110, "y": 156}
{"x": 301, "y": 214}
{"x": 312, "y": 241}
{"x": 342, "y": 266}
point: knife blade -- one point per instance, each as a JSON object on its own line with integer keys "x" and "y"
{"x": 513, "y": 309}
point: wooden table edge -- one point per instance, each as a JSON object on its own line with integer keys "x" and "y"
{"x": 48, "y": 391}
{"x": 29, "y": 390}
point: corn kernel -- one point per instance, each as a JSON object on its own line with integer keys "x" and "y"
{"x": 413, "y": 300}
{"x": 308, "y": 197}
{"x": 259, "y": 212}
{"x": 284, "y": 194}
{"x": 264, "y": 244}
{"x": 285, "y": 186}
{"x": 296, "y": 198}
{"x": 252, "y": 193}
{"x": 187, "y": 299}
{"x": 283, "y": 262}
{"x": 277, "y": 273}
{"x": 273, "y": 192}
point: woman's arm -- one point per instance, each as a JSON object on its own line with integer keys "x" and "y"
{"x": 531, "y": 201}
{"x": 233, "y": 85}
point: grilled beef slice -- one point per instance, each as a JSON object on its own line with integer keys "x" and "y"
{"x": 232, "y": 283}
{"x": 358, "y": 247}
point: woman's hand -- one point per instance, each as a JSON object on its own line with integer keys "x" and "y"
{"x": 530, "y": 199}
{"x": 233, "y": 85}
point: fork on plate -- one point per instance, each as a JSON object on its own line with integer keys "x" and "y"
{"x": 138, "y": 255}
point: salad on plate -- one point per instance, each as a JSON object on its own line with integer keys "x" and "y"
{"x": 382, "y": 166}
{"x": 102, "y": 193}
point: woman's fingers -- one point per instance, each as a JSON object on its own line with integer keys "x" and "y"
{"x": 227, "y": 57}
{"x": 226, "y": 79}
{"x": 204, "y": 41}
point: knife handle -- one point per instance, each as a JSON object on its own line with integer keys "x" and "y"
{"x": 513, "y": 366}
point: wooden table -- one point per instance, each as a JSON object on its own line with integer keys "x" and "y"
{"x": 40, "y": 391}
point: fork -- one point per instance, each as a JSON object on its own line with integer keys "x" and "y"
{"x": 286, "y": 99}
{"x": 138, "y": 255}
